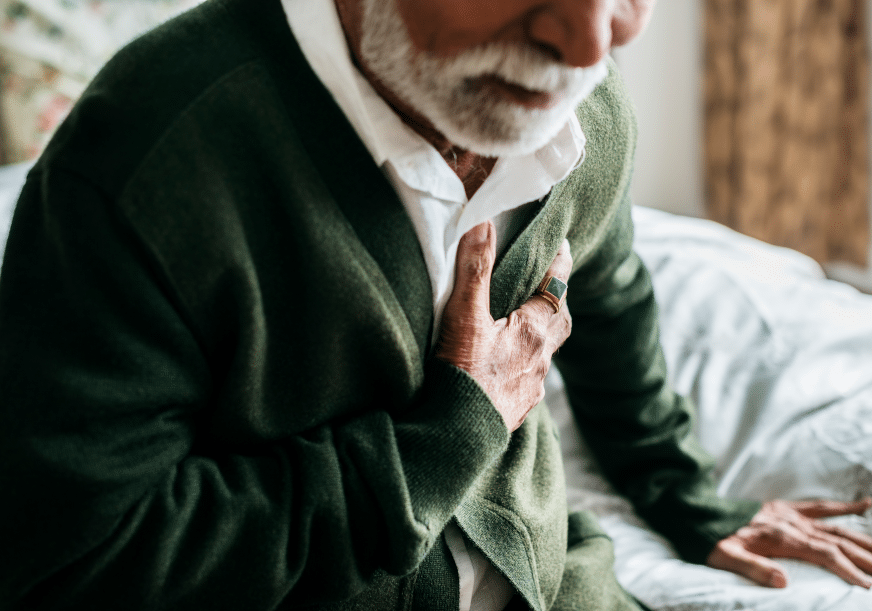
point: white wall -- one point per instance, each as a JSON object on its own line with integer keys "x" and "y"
{"x": 663, "y": 71}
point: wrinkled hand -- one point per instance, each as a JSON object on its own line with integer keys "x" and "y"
{"x": 508, "y": 357}
{"x": 789, "y": 530}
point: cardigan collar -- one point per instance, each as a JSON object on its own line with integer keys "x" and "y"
{"x": 361, "y": 190}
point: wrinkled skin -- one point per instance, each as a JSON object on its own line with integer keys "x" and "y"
{"x": 510, "y": 357}
{"x": 790, "y": 530}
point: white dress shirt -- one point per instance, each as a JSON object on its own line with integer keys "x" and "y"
{"x": 436, "y": 202}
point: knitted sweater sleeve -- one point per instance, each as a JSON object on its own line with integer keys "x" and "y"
{"x": 639, "y": 429}
{"x": 111, "y": 500}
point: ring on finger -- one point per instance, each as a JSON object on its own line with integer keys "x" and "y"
{"x": 553, "y": 289}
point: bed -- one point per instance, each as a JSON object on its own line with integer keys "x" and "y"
{"x": 777, "y": 359}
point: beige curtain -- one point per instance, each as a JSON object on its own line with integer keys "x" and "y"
{"x": 786, "y": 125}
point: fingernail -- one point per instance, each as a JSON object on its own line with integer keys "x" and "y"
{"x": 480, "y": 233}
{"x": 778, "y": 580}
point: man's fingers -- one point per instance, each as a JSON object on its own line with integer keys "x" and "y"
{"x": 789, "y": 530}
{"x": 476, "y": 253}
{"x": 859, "y": 539}
{"x": 731, "y": 556}
{"x": 559, "y": 328}
{"x": 538, "y": 306}
{"x": 826, "y": 509}
{"x": 561, "y": 267}
{"x": 859, "y": 557}
{"x": 829, "y": 555}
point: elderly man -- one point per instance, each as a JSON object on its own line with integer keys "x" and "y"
{"x": 277, "y": 306}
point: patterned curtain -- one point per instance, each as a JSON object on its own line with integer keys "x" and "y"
{"x": 786, "y": 125}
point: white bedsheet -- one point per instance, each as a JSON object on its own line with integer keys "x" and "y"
{"x": 779, "y": 361}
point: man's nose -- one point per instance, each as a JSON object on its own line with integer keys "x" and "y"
{"x": 576, "y": 32}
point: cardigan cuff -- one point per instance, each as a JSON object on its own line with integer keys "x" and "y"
{"x": 452, "y": 435}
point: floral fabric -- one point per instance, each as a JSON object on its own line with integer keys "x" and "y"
{"x": 50, "y": 49}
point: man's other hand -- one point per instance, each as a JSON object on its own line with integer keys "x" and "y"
{"x": 790, "y": 530}
{"x": 508, "y": 357}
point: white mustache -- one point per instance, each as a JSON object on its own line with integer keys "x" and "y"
{"x": 516, "y": 64}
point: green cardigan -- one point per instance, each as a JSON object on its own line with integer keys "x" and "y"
{"x": 216, "y": 388}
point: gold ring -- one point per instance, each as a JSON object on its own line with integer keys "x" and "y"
{"x": 553, "y": 290}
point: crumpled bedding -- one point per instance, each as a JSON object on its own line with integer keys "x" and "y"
{"x": 779, "y": 362}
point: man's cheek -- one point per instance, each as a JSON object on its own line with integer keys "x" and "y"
{"x": 444, "y": 28}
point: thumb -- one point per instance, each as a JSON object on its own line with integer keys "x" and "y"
{"x": 735, "y": 558}
{"x": 476, "y": 253}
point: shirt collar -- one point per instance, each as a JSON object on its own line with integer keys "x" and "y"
{"x": 318, "y": 30}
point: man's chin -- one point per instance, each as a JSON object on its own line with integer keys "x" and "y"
{"x": 493, "y": 138}
{"x": 496, "y": 87}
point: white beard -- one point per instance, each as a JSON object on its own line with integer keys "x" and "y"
{"x": 444, "y": 91}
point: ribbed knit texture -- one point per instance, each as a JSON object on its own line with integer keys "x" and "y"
{"x": 214, "y": 384}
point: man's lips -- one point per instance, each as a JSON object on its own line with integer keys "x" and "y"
{"x": 519, "y": 95}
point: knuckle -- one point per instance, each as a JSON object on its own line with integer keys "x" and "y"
{"x": 543, "y": 308}
{"x": 779, "y": 506}
{"x": 478, "y": 267}
{"x": 833, "y": 552}
{"x": 725, "y": 546}
{"x": 775, "y": 535}
{"x": 561, "y": 268}
{"x": 837, "y": 531}
{"x": 542, "y": 369}
{"x": 565, "y": 253}
{"x": 532, "y": 336}
{"x": 567, "y": 326}
{"x": 827, "y": 551}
